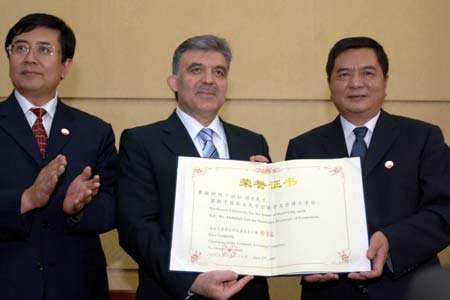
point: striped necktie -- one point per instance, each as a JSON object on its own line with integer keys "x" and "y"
{"x": 209, "y": 150}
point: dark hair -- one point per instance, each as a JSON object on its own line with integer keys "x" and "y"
{"x": 356, "y": 43}
{"x": 67, "y": 38}
{"x": 201, "y": 42}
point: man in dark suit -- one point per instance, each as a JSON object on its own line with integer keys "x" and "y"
{"x": 148, "y": 158}
{"x": 406, "y": 176}
{"x": 52, "y": 206}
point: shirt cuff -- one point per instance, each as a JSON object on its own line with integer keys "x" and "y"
{"x": 189, "y": 295}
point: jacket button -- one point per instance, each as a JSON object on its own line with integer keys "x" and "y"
{"x": 40, "y": 267}
{"x": 362, "y": 288}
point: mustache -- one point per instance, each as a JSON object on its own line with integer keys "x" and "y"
{"x": 207, "y": 88}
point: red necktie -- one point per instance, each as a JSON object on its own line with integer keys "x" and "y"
{"x": 39, "y": 131}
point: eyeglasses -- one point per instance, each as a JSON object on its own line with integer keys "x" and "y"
{"x": 22, "y": 49}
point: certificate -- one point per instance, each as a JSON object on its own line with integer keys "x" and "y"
{"x": 290, "y": 217}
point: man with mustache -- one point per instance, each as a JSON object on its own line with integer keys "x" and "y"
{"x": 58, "y": 166}
{"x": 148, "y": 169}
{"x": 406, "y": 176}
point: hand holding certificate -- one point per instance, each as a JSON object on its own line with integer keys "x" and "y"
{"x": 291, "y": 217}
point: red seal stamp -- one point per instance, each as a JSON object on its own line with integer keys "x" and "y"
{"x": 195, "y": 256}
{"x": 229, "y": 249}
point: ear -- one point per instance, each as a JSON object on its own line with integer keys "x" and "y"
{"x": 66, "y": 67}
{"x": 172, "y": 83}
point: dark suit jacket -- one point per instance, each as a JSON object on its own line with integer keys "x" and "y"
{"x": 43, "y": 251}
{"x": 409, "y": 203}
{"x": 146, "y": 194}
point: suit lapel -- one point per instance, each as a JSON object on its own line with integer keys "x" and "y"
{"x": 177, "y": 139}
{"x": 63, "y": 119}
{"x": 384, "y": 135}
{"x": 235, "y": 143}
{"x": 333, "y": 140}
{"x": 15, "y": 124}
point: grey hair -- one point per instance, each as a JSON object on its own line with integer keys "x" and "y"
{"x": 201, "y": 42}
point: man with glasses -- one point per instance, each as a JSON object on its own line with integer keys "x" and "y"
{"x": 56, "y": 184}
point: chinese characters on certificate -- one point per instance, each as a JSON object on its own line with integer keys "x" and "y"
{"x": 292, "y": 217}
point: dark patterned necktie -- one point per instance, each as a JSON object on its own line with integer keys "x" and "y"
{"x": 39, "y": 131}
{"x": 209, "y": 150}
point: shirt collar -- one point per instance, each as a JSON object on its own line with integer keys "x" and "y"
{"x": 193, "y": 126}
{"x": 348, "y": 127}
{"x": 26, "y": 105}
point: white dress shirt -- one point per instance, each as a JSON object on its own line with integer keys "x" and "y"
{"x": 350, "y": 135}
{"x": 193, "y": 127}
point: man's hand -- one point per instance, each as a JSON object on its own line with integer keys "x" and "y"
{"x": 258, "y": 158}
{"x": 38, "y": 194}
{"x": 377, "y": 253}
{"x": 321, "y": 277}
{"x": 219, "y": 285}
{"x": 81, "y": 191}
